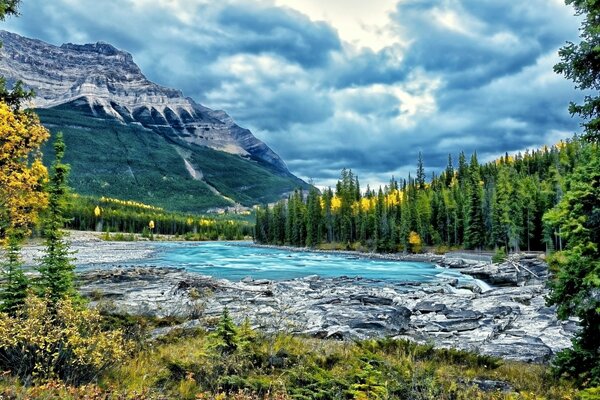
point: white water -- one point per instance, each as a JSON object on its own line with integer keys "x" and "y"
{"x": 235, "y": 261}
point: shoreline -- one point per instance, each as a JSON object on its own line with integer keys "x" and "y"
{"x": 510, "y": 321}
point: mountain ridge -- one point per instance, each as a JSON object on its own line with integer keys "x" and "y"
{"x": 130, "y": 137}
{"x": 112, "y": 83}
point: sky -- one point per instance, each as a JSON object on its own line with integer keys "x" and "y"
{"x": 332, "y": 84}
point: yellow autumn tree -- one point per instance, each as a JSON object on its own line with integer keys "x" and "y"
{"x": 415, "y": 242}
{"x": 22, "y": 174}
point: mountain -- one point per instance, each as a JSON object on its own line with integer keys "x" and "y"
{"x": 132, "y": 138}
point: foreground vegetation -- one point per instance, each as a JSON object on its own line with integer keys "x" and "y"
{"x": 238, "y": 363}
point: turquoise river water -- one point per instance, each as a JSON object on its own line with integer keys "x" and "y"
{"x": 238, "y": 260}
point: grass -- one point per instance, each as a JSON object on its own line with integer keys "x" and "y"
{"x": 127, "y": 161}
{"x": 190, "y": 365}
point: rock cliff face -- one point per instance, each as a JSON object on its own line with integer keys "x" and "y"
{"x": 107, "y": 80}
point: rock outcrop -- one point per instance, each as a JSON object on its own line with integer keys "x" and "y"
{"x": 106, "y": 81}
{"x": 509, "y": 322}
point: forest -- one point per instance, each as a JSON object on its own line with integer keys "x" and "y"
{"x": 126, "y": 216}
{"x": 495, "y": 205}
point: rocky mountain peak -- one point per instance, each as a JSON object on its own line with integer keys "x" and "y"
{"x": 107, "y": 81}
{"x": 103, "y": 48}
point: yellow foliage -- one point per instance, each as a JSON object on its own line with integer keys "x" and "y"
{"x": 206, "y": 222}
{"x": 414, "y": 238}
{"x": 151, "y": 224}
{"x": 22, "y": 174}
{"x": 97, "y": 211}
{"x": 393, "y": 198}
{"x": 367, "y": 204}
{"x": 67, "y": 343}
{"x": 336, "y": 203}
{"x": 130, "y": 203}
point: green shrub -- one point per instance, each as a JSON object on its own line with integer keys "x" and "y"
{"x": 499, "y": 256}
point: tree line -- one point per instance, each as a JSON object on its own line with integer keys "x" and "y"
{"x": 115, "y": 215}
{"x": 499, "y": 204}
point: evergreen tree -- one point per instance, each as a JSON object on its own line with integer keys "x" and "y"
{"x": 475, "y": 230}
{"x": 501, "y": 218}
{"x": 226, "y": 335}
{"x": 14, "y": 291}
{"x": 420, "y": 173}
{"x": 56, "y": 269}
{"x": 463, "y": 169}
{"x": 313, "y": 218}
{"x": 449, "y": 173}
{"x": 580, "y": 64}
{"x": 577, "y": 282}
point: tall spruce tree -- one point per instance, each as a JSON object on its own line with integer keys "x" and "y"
{"x": 313, "y": 218}
{"x": 420, "y": 173}
{"x": 576, "y": 286}
{"x": 580, "y": 63}
{"x": 56, "y": 269}
{"x": 14, "y": 290}
{"x": 449, "y": 173}
{"x": 475, "y": 229}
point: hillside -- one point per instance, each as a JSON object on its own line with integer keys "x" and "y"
{"x": 128, "y": 137}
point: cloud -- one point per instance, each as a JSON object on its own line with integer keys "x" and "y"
{"x": 365, "y": 89}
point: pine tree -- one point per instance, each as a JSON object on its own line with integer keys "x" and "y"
{"x": 14, "y": 291}
{"x": 313, "y": 218}
{"x": 56, "y": 269}
{"x": 580, "y": 64}
{"x": 576, "y": 285}
{"x": 449, "y": 173}
{"x": 420, "y": 173}
{"x": 475, "y": 230}
{"x": 501, "y": 217}
{"x": 226, "y": 334}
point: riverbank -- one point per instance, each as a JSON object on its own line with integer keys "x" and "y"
{"x": 509, "y": 319}
{"x": 518, "y": 270}
{"x": 509, "y": 322}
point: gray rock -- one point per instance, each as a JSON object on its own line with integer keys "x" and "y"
{"x": 510, "y": 322}
{"x": 488, "y": 385}
{"x": 370, "y": 299}
{"x": 463, "y": 314}
{"x": 458, "y": 325}
{"x": 429, "y": 306}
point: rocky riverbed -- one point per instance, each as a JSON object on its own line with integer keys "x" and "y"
{"x": 509, "y": 320}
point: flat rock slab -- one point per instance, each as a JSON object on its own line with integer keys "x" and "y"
{"x": 509, "y": 322}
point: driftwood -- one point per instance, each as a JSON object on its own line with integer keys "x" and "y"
{"x": 514, "y": 264}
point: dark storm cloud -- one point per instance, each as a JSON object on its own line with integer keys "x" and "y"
{"x": 473, "y": 75}
{"x": 284, "y": 32}
{"x": 473, "y": 42}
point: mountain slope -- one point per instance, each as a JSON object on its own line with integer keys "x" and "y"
{"x": 132, "y": 138}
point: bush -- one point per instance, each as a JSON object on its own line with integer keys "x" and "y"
{"x": 499, "y": 256}
{"x": 42, "y": 343}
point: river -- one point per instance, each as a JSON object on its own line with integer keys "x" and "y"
{"x": 238, "y": 260}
